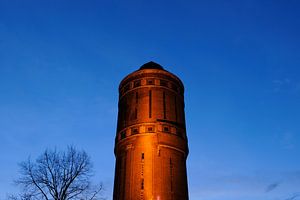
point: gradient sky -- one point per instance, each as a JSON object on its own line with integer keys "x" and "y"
{"x": 61, "y": 62}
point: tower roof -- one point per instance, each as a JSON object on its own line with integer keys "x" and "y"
{"x": 151, "y": 65}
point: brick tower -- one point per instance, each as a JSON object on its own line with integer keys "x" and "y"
{"x": 151, "y": 143}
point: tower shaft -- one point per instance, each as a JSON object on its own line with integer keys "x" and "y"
{"x": 151, "y": 144}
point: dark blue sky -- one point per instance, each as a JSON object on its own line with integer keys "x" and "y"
{"x": 61, "y": 63}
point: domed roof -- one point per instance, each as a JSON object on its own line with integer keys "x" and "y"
{"x": 151, "y": 65}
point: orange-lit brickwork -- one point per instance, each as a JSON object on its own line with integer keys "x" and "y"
{"x": 151, "y": 143}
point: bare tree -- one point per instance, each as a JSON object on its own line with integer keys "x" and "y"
{"x": 58, "y": 176}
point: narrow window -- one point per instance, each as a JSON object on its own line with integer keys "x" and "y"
{"x": 135, "y": 113}
{"x": 150, "y": 129}
{"x": 150, "y": 81}
{"x": 143, "y": 156}
{"x": 134, "y": 131}
{"x": 142, "y": 184}
{"x": 150, "y": 103}
{"x": 166, "y": 129}
{"x": 164, "y": 104}
{"x": 123, "y": 135}
{"x": 137, "y": 83}
{"x": 136, "y": 101}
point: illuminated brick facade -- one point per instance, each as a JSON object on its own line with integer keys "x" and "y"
{"x": 151, "y": 143}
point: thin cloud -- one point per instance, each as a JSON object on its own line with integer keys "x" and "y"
{"x": 271, "y": 187}
{"x": 294, "y": 197}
